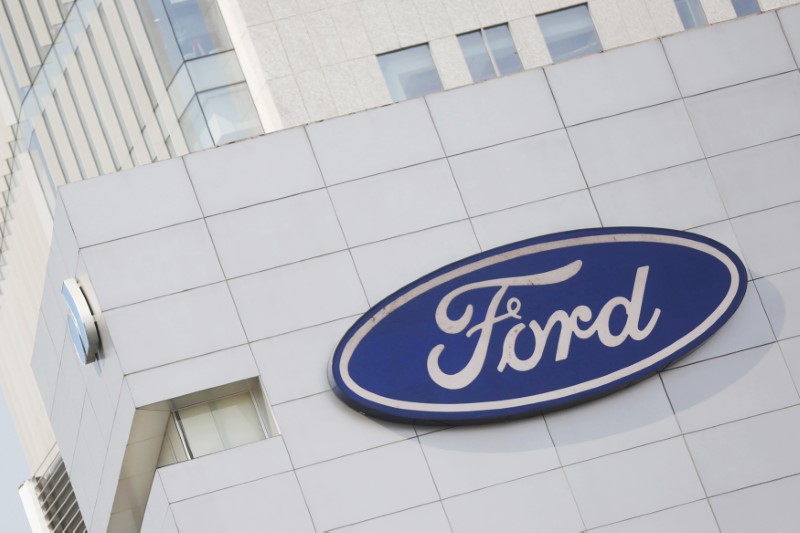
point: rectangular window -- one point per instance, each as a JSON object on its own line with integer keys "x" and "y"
{"x": 569, "y": 33}
{"x": 490, "y": 52}
{"x": 691, "y": 13}
{"x": 746, "y": 7}
{"x": 410, "y": 73}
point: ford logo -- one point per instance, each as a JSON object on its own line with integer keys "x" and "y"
{"x": 537, "y": 325}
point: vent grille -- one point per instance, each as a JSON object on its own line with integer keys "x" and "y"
{"x": 59, "y": 506}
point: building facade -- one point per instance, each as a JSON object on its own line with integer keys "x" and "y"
{"x": 222, "y": 278}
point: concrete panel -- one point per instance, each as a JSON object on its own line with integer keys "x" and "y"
{"x": 369, "y": 484}
{"x": 634, "y": 143}
{"x": 152, "y": 264}
{"x": 276, "y": 233}
{"x": 386, "y": 266}
{"x": 542, "y": 503}
{"x": 763, "y": 448}
{"x": 486, "y": 114}
{"x": 730, "y": 388}
{"x": 745, "y": 115}
{"x": 375, "y": 141}
{"x": 130, "y": 202}
{"x": 322, "y": 427}
{"x": 297, "y": 296}
{"x": 495, "y": 454}
{"x": 517, "y": 172}
{"x": 632, "y": 490}
{"x": 168, "y": 329}
{"x": 397, "y": 202}
{"x": 219, "y": 471}
{"x": 638, "y": 415}
{"x": 611, "y": 83}
{"x": 758, "y": 178}
{"x": 195, "y": 374}
{"x": 253, "y": 171}
{"x": 680, "y": 197}
{"x": 276, "y": 501}
{"x": 295, "y": 365}
{"x": 726, "y": 54}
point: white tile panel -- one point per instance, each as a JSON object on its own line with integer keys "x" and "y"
{"x": 517, "y": 172}
{"x": 129, "y": 202}
{"x": 695, "y": 517}
{"x": 768, "y": 507}
{"x": 192, "y": 375}
{"x": 791, "y": 354}
{"x": 276, "y": 233}
{"x": 152, "y": 264}
{"x": 726, "y": 54}
{"x": 45, "y": 363}
{"x": 745, "y": 115}
{"x": 723, "y": 233}
{"x": 637, "y": 415}
{"x": 275, "y": 501}
{"x": 221, "y": 470}
{"x": 780, "y": 295}
{"x": 297, "y": 296}
{"x": 747, "y": 452}
{"x": 424, "y": 519}
{"x": 397, "y": 202}
{"x": 680, "y": 198}
{"x": 619, "y": 80}
{"x": 375, "y": 141}
{"x": 68, "y": 403}
{"x": 747, "y": 328}
{"x": 646, "y": 479}
{"x": 633, "y": 143}
{"x": 295, "y": 365}
{"x": 386, "y": 266}
{"x": 767, "y": 244}
{"x": 253, "y": 171}
{"x": 569, "y": 211}
{"x": 758, "y": 178}
{"x": 730, "y": 388}
{"x": 367, "y": 485}
{"x": 464, "y": 459}
{"x": 790, "y": 21}
{"x": 87, "y": 466}
{"x": 168, "y": 329}
{"x": 322, "y": 427}
{"x": 485, "y": 114}
{"x": 537, "y": 503}
{"x": 157, "y": 506}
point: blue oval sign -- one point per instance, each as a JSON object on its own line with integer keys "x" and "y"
{"x": 537, "y": 325}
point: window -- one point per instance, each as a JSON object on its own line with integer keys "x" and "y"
{"x": 501, "y": 57}
{"x": 410, "y": 73}
{"x": 569, "y": 33}
{"x": 691, "y": 13}
{"x": 234, "y": 416}
{"x": 746, "y": 7}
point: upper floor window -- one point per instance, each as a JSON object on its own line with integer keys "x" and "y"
{"x": 746, "y": 7}
{"x": 569, "y": 33}
{"x": 490, "y": 52}
{"x": 410, "y": 72}
{"x": 691, "y": 13}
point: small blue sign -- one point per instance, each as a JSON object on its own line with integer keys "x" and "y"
{"x": 537, "y": 325}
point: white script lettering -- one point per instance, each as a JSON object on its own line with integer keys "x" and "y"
{"x": 576, "y": 323}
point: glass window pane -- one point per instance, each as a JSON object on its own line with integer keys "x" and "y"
{"x": 230, "y": 113}
{"x": 193, "y": 126}
{"x": 199, "y": 27}
{"x": 691, "y": 13}
{"x": 478, "y": 61}
{"x": 181, "y": 91}
{"x": 504, "y": 51}
{"x": 162, "y": 39}
{"x": 410, "y": 73}
{"x": 200, "y": 430}
{"x": 746, "y": 7}
{"x": 237, "y": 420}
{"x": 569, "y": 33}
{"x": 215, "y": 71}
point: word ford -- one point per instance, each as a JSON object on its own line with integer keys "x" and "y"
{"x": 571, "y": 324}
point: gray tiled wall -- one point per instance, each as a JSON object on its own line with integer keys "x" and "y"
{"x": 252, "y": 259}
